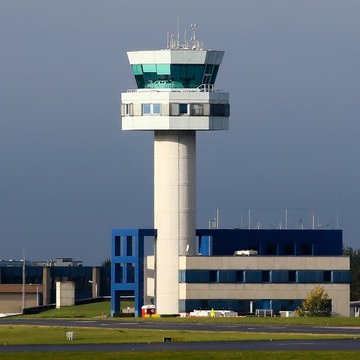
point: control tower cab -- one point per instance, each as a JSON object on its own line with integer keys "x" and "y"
{"x": 175, "y": 91}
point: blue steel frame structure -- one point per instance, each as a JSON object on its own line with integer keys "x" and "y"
{"x": 127, "y": 267}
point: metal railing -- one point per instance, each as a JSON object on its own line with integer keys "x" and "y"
{"x": 200, "y": 88}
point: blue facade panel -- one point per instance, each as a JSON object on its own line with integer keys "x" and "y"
{"x": 224, "y": 242}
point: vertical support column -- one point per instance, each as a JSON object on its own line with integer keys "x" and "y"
{"x": 46, "y": 285}
{"x": 95, "y": 284}
{"x": 174, "y": 211}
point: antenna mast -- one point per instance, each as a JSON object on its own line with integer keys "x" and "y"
{"x": 173, "y": 41}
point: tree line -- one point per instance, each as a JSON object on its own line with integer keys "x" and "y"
{"x": 355, "y": 272}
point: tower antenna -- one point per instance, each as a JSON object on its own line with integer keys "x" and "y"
{"x": 194, "y": 44}
{"x": 178, "y": 31}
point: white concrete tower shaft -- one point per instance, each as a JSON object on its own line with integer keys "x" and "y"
{"x": 174, "y": 211}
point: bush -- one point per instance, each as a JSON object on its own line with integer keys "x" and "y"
{"x": 316, "y": 304}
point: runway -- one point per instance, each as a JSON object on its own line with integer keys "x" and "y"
{"x": 284, "y": 345}
{"x": 177, "y": 325}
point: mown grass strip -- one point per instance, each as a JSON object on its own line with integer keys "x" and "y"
{"x": 102, "y": 310}
{"x": 93, "y": 310}
{"x": 29, "y": 335}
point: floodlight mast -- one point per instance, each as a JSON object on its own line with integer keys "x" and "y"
{"x": 175, "y": 98}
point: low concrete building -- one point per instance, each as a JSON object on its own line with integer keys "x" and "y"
{"x": 40, "y": 282}
{"x": 11, "y": 297}
{"x": 283, "y": 266}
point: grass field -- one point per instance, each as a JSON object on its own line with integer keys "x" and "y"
{"x": 189, "y": 355}
{"x": 102, "y": 310}
{"x": 322, "y": 321}
{"x": 28, "y": 335}
{"x": 17, "y": 335}
{"x": 94, "y": 310}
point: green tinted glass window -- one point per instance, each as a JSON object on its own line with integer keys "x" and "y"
{"x": 163, "y": 69}
{"x": 149, "y": 68}
{"x": 189, "y": 76}
{"x": 173, "y": 75}
{"x": 140, "y": 81}
{"x": 136, "y": 69}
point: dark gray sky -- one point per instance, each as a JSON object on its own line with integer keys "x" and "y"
{"x": 68, "y": 175}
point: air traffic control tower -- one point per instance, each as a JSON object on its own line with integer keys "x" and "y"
{"x": 175, "y": 97}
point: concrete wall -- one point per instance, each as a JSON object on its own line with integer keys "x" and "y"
{"x": 11, "y": 297}
{"x": 65, "y": 293}
{"x": 265, "y": 262}
{"x": 339, "y": 293}
{"x": 12, "y": 303}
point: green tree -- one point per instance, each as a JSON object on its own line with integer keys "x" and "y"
{"x": 355, "y": 272}
{"x": 316, "y": 304}
{"x": 106, "y": 263}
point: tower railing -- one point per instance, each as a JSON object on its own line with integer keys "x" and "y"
{"x": 201, "y": 88}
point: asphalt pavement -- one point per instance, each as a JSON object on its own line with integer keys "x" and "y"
{"x": 205, "y": 326}
{"x": 283, "y": 345}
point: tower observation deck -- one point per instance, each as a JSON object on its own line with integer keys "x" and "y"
{"x": 175, "y": 97}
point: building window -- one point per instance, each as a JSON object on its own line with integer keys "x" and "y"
{"x": 239, "y": 276}
{"x": 292, "y": 276}
{"x": 146, "y": 108}
{"x": 127, "y": 109}
{"x": 188, "y": 109}
{"x": 196, "y": 109}
{"x": 130, "y": 246}
{"x": 306, "y": 249}
{"x": 327, "y": 276}
{"x": 130, "y": 273}
{"x": 156, "y": 108}
{"x": 174, "y": 109}
{"x": 118, "y": 273}
{"x": 204, "y": 304}
{"x": 271, "y": 249}
{"x": 117, "y": 245}
{"x": 289, "y": 249}
{"x": 182, "y": 276}
{"x": 213, "y": 276}
{"x": 151, "y": 109}
{"x": 220, "y": 110}
{"x": 266, "y": 276}
{"x": 183, "y": 109}
{"x": 341, "y": 276}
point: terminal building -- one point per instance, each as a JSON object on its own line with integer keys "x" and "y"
{"x": 176, "y": 266}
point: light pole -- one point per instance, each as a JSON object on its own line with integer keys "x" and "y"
{"x": 96, "y": 287}
{"x": 23, "y": 282}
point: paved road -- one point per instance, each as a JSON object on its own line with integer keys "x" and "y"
{"x": 334, "y": 345}
{"x": 253, "y": 328}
